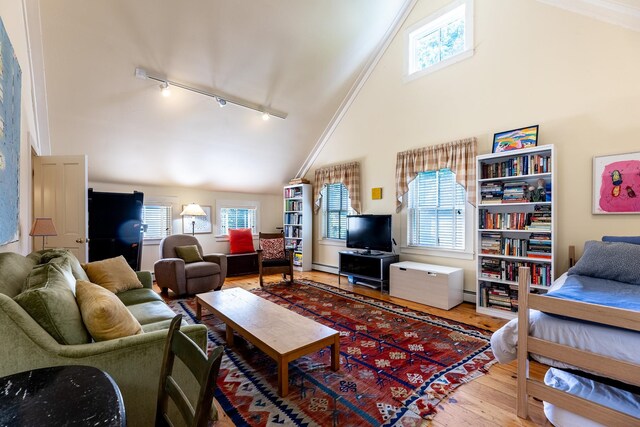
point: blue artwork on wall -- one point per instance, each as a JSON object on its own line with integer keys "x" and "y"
{"x": 10, "y": 87}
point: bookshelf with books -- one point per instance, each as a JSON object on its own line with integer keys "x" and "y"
{"x": 297, "y": 224}
{"x": 515, "y": 226}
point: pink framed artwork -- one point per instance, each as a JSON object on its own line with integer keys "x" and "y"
{"x": 616, "y": 184}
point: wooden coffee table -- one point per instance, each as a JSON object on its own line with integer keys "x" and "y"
{"x": 282, "y": 334}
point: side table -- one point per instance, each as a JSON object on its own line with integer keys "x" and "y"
{"x": 61, "y": 395}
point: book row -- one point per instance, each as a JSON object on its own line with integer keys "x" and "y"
{"x": 293, "y": 205}
{"x": 293, "y": 218}
{"x": 493, "y": 268}
{"x": 495, "y": 244}
{"x": 514, "y": 220}
{"x": 292, "y": 192}
{"x": 517, "y": 166}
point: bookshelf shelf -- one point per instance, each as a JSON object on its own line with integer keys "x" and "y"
{"x": 515, "y": 218}
{"x": 297, "y": 224}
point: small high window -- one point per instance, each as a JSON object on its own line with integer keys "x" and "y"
{"x": 440, "y": 39}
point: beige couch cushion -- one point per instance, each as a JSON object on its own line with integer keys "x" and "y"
{"x": 104, "y": 314}
{"x": 113, "y": 274}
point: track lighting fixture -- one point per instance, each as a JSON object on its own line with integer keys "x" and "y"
{"x": 165, "y": 90}
{"x": 222, "y": 99}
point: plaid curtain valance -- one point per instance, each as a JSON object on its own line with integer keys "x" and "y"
{"x": 347, "y": 174}
{"x": 459, "y": 156}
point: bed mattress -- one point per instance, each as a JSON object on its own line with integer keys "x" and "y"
{"x": 604, "y": 340}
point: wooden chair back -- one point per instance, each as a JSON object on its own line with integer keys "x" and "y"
{"x": 204, "y": 369}
{"x": 285, "y": 267}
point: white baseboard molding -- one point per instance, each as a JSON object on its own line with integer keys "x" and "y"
{"x": 326, "y": 268}
{"x": 469, "y": 296}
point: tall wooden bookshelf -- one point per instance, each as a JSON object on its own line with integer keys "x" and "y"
{"x": 297, "y": 224}
{"x": 515, "y": 225}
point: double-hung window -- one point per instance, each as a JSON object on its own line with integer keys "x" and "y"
{"x": 436, "y": 211}
{"x": 336, "y": 206}
{"x": 240, "y": 214}
{"x": 157, "y": 221}
{"x": 440, "y": 39}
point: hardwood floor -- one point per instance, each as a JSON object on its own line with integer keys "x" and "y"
{"x": 486, "y": 401}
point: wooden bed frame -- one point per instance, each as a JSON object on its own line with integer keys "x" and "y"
{"x": 604, "y": 366}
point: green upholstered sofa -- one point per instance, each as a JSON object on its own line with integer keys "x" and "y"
{"x": 133, "y": 362}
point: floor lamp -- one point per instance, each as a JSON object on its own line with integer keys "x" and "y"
{"x": 43, "y": 227}
{"x": 193, "y": 210}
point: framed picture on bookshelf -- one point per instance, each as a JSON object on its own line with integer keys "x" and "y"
{"x": 515, "y": 139}
{"x": 202, "y": 223}
{"x": 616, "y": 184}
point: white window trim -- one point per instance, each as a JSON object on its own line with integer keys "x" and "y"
{"x": 250, "y": 204}
{"x": 466, "y": 253}
{"x": 468, "y": 40}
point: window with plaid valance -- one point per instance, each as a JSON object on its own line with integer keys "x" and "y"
{"x": 347, "y": 174}
{"x": 458, "y": 156}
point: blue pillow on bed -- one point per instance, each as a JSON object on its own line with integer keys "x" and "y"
{"x": 626, "y": 239}
{"x": 617, "y": 261}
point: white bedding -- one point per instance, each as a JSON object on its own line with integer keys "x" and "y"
{"x": 618, "y": 343}
{"x": 610, "y": 397}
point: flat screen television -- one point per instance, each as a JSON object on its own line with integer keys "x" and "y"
{"x": 369, "y": 232}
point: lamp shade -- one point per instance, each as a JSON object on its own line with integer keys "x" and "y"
{"x": 193, "y": 209}
{"x": 43, "y": 227}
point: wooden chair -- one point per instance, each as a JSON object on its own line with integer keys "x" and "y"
{"x": 204, "y": 369}
{"x": 273, "y": 257}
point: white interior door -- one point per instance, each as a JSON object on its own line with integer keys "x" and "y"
{"x": 60, "y": 193}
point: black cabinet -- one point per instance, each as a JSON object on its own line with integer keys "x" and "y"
{"x": 115, "y": 226}
{"x": 366, "y": 268}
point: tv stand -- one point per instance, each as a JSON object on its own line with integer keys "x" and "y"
{"x": 369, "y": 267}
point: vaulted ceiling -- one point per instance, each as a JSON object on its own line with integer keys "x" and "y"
{"x": 301, "y": 57}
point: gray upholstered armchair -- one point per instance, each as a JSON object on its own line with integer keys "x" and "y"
{"x": 190, "y": 278}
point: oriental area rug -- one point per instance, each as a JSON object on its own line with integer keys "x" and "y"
{"x": 396, "y": 364}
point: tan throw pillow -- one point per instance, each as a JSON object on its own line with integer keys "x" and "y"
{"x": 189, "y": 253}
{"x": 104, "y": 315}
{"x": 113, "y": 274}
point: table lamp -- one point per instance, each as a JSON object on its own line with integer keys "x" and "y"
{"x": 43, "y": 227}
{"x": 194, "y": 210}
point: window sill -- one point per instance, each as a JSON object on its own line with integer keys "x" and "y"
{"x": 151, "y": 242}
{"x": 333, "y": 242}
{"x": 442, "y": 253}
{"x": 225, "y": 237}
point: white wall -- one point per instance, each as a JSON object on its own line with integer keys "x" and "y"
{"x": 270, "y": 215}
{"x": 578, "y": 78}
{"x": 13, "y": 17}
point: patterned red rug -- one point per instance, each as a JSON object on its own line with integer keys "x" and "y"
{"x": 396, "y": 365}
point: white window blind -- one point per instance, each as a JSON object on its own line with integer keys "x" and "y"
{"x": 336, "y": 208}
{"x": 435, "y": 215}
{"x": 237, "y": 217}
{"x": 157, "y": 218}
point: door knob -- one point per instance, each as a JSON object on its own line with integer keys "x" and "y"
{"x": 80, "y": 240}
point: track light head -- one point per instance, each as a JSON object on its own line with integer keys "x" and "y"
{"x": 165, "y": 89}
{"x": 265, "y": 116}
{"x": 221, "y": 102}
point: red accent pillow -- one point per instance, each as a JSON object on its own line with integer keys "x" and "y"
{"x": 272, "y": 248}
{"x": 241, "y": 241}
